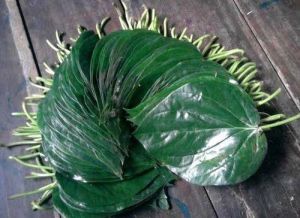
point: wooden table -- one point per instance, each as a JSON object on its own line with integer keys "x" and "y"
{"x": 269, "y": 30}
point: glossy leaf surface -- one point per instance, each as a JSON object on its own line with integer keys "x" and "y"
{"x": 85, "y": 133}
{"x": 127, "y": 110}
{"x": 205, "y": 130}
{"x": 112, "y": 197}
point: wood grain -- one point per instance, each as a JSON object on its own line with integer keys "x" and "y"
{"x": 16, "y": 66}
{"x": 276, "y": 26}
{"x": 272, "y": 191}
{"x": 65, "y": 17}
{"x": 43, "y": 18}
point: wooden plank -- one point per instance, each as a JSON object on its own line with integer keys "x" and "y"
{"x": 270, "y": 192}
{"x": 276, "y": 26}
{"x": 64, "y": 16}
{"x": 16, "y": 65}
{"x": 186, "y": 201}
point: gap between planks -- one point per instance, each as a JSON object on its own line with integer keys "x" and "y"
{"x": 28, "y": 59}
{"x": 259, "y": 42}
{"x": 24, "y": 48}
{"x": 22, "y": 42}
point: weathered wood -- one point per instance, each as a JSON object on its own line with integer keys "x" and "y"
{"x": 186, "y": 201}
{"x": 270, "y": 192}
{"x": 16, "y": 65}
{"x": 64, "y": 16}
{"x": 275, "y": 24}
{"x": 43, "y": 18}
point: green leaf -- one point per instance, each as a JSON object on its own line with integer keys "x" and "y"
{"x": 85, "y": 133}
{"x": 75, "y": 139}
{"x": 112, "y": 197}
{"x": 173, "y": 78}
{"x": 205, "y": 130}
{"x": 190, "y": 117}
{"x": 66, "y": 211}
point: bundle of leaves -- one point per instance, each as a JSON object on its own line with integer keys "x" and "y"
{"x": 128, "y": 112}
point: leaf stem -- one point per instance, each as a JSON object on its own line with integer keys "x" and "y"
{"x": 30, "y": 165}
{"x": 33, "y": 147}
{"x": 30, "y": 156}
{"x": 42, "y": 189}
{"x": 279, "y": 123}
{"x": 273, "y": 118}
{"x": 39, "y": 175}
{"x": 21, "y": 143}
{"x": 36, "y": 205}
{"x": 259, "y": 103}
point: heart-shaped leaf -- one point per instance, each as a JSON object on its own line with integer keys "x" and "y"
{"x": 204, "y": 130}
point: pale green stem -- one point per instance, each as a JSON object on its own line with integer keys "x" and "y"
{"x": 29, "y": 156}
{"x": 36, "y": 205}
{"x": 39, "y": 190}
{"x": 21, "y": 143}
{"x": 30, "y": 135}
{"x": 52, "y": 46}
{"x": 165, "y": 29}
{"x": 22, "y": 114}
{"x": 273, "y": 118}
{"x": 30, "y": 165}
{"x": 279, "y": 123}
{"x": 208, "y": 45}
{"x": 34, "y": 97}
{"x": 245, "y": 73}
{"x": 44, "y": 170}
{"x": 259, "y": 95}
{"x": 222, "y": 55}
{"x": 47, "y": 82}
{"x": 40, "y": 175}
{"x": 49, "y": 70}
{"x": 264, "y": 101}
{"x": 33, "y": 147}
{"x": 27, "y": 114}
{"x": 182, "y": 33}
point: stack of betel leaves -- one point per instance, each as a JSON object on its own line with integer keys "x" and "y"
{"x": 127, "y": 113}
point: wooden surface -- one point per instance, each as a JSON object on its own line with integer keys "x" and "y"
{"x": 268, "y": 30}
{"x": 16, "y": 66}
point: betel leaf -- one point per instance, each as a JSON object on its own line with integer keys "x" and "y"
{"x": 85, "y": 133}
{"x": 204, "y": 130}
{"x": 189, "y": 113}
{"x": 66, "y": 211}
{"x": 78, "y": 137}
{"x": 190, "y": 116}
{"x": 178, "y": 74}
{"x": 112, "y": 197}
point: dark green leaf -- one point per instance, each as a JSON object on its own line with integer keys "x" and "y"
{"x": 112, "y": 197}
{"x": 205, "y": 130}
